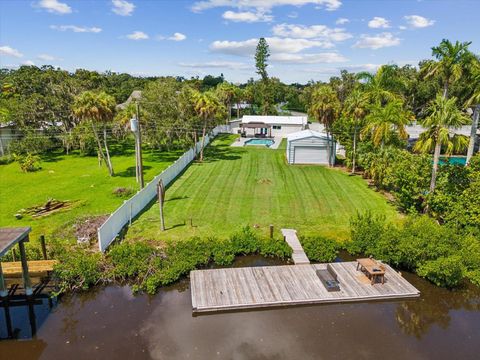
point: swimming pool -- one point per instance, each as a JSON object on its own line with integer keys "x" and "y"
{"x": 260, "y": 142}
{"x": 453, "y": 160}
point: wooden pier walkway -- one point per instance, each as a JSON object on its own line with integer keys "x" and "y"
{"x": 298, "y": 255}
{"x": 266, "y": 286}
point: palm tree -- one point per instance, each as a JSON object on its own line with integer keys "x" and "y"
{"x": 207, "y": 106}
{"x": 450, "y": 64}
{"x": 474, "y": 101}
{"x": 325, "y": 108}
{"x": 380, "y": 86}
{"x": 226, "y": 93}
{"x": 384, "y": 122}
{"x": 98, "y": 109}
{"x": 355, "y": 107}
{"x": 443, "y": 115}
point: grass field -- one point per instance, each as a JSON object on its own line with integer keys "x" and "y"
{"x": 71, "y": 177}
{"x": 235, "y": 187}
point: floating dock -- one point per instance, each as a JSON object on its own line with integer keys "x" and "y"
{"x": 268, "y": 286}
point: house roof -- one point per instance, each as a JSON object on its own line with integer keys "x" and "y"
{"x": 274, "y": 120}
{"x": 305, "y": 134}
{"x": 135, "y": 95}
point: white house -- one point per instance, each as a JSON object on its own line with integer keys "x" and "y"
{"x": 310, "y": 147}
{"x": 269, "y": 126}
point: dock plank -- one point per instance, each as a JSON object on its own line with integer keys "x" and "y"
{"x": 244, "y": 288}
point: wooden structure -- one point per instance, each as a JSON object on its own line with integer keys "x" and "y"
{"x": 372, "y": 268}
{"x": 267, "y": 286}
{"x": 31, "y": 275}
{"x": 298, "y": 255}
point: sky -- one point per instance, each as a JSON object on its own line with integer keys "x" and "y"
{"x": 308, "y": 39}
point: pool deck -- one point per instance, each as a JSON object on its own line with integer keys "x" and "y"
{"x": 273, "y": 286}
{"x": 240, "y": 142}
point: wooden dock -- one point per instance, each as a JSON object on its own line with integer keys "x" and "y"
{"x": 298, "y": 255}
{"x": 267, "y": 286}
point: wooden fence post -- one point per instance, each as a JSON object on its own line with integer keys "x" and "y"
{"x": 44, "y": 246}
{"x": 271, "y": 231}
{"x": 161, "y": 200}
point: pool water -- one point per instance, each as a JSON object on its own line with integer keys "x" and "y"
{"x": 261, "y": 142}
{"x": 454, "y": 160}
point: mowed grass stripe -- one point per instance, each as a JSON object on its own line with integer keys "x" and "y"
{"x": 254, "y": 186}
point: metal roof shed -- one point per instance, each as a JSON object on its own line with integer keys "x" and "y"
{"x": 310, "y": 147}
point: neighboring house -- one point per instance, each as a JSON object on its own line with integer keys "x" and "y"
{"x": 8, "y": 133}
{"x": 310, "y": 147}
{"x": 134, "y": 96}
{"x": 270, "y": 126}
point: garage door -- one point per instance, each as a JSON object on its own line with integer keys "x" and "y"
{"x": 310, "y": 155}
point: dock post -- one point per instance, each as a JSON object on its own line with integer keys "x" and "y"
{"x": 271, "y": 231}
{"x": 44, "y": 247}
{"x": 3, "y": 288}
{"x": 26, "y": 276}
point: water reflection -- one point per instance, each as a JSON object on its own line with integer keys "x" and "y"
{"x": 434, "y": 307}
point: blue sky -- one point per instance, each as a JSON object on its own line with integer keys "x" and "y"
{"x": 309, "y": 39}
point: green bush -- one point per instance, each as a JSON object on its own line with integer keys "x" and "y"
{"x": 444, "y": 271}
{"x": 78, "y": 268}
{"x": 29, "y": 162}
{"x": 245, "y": 241}
{"x": 320, "y": 248}
{"x": 131, "y": 259}
{"x": 365, "y": 229}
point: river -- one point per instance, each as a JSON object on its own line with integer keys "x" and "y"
{"x": 111, "y": 323}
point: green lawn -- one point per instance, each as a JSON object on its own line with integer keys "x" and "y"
{"x": 254, "y": 186}
{"x": 72, "y": 177}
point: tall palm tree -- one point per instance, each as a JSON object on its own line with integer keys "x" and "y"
{"x": 443, "y": 115}
{"x": 355, "y": 107}
{"x": 450, "y": 64}
{"x": 385, "y": 122}
{"x": 474, "y": 101}
{"x": 98, "y": 109}
{"x": 207, "y": 106}
{"x": 325, "y": 108}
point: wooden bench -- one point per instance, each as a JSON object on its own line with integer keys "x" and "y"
{"x": 329, "y": 279}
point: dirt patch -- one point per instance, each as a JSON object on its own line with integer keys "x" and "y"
{"x": 86, "y": 228}
{"x": 264, "y": 181}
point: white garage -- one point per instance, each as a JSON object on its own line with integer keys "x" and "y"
{"x": 310, "y": 147}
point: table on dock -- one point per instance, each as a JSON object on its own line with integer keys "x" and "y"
{"x": 266, "y": 286}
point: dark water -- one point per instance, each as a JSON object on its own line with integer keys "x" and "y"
{"x": 111, "y": 323}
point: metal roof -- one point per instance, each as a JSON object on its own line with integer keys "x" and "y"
{"x": 10, "y": 236}
{"x": 305, "y": 134}
{"x": 275, "y": 120}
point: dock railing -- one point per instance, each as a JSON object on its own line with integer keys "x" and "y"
{"x": 124, "y": 215}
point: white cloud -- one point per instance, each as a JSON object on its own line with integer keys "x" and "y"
{"x": 379, "y": 23}
{"x": 28, "y": 63}
{"x": 327, "y": 57}
{"x": 137, "y": 35}
{"x": 232, "y": 65}
{"x": 401, "y": 27}
{"x": 293, "y": 15}
{"x": 417, "y": 21}
{"x": 54, "y": 6}
{"x": 177, "y": 37}
{"x": 122, "y": 7}
{"x": 9, "y": 51}
{"x": 199, "y": 6}
{"x": 311, "y": 32}
{"x": 46, "y": 57}
{"x": 276, "y": 45}
{"x": 77, "y": 29}
{"x": 247, "y": 16}
{"x": 342, "y": 21}
{"x": 377, "y": 41}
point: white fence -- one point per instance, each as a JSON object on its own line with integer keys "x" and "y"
{"x": 133, "y": 206}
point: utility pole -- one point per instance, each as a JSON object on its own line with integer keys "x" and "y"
{"x": 135, "y": 127}
{"x": 473, "y": 134}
